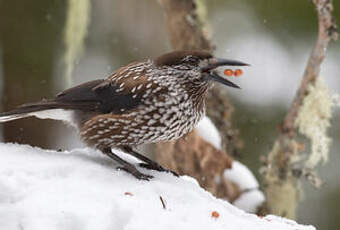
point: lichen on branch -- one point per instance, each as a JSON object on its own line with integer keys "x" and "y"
{"x": 310, "y": 113}
{"x": 313, "y": 120}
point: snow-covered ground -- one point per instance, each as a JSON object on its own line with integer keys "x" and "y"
{"x": 81, "y": 190}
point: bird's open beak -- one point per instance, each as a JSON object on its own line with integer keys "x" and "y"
{"x": 217, "y": 62}
{"x": 215, "y": 77}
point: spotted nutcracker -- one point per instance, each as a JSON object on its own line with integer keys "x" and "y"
{"x": 144, "y": 102}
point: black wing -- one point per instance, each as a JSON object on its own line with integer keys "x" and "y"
{"x": 94, "y": 96}
{"x": 100, "y": 96}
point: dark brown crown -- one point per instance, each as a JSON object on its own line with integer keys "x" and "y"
{"x": 176, "y": 57}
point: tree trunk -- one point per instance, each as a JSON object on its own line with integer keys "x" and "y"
{"x": 194, "y": 156}
{"x": 30, "y": 33}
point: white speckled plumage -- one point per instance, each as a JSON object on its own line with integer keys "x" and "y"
{"x": 144, "y": 102}
{"x": 170, "y": 106}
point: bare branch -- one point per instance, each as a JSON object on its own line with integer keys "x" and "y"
{"x": 282, "y": 181}
{"x": 185, "y": 28}
{"x": 327, "y": 31}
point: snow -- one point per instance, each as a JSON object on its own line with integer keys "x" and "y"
{"x": 249, "y": 201}
{"x": 251, "y": 197}
{"x": 242, "y": 176}
{"x": 82, "y": 190}
{"x": 207, "y": 130}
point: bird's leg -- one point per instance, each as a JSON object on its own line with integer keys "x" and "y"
{"x": 126, "y": 166}
{"x": 149, "y": 164}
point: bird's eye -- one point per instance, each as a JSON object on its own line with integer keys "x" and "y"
{"x": 202, "y": 64}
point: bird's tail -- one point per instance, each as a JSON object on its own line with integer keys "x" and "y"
{"x": 42, "y": 110}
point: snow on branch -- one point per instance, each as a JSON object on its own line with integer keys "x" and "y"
{"x": 81, "y": 190}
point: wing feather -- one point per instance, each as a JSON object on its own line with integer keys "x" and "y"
{"x": 102, "y": 95}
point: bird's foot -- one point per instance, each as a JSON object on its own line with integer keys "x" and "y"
{"x": 133, "y": 171}
{"x": 157, "y": 167}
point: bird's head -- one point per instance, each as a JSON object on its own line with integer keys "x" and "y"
{"x": 198, "y": 66}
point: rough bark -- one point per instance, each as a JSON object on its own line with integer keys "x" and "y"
{"x": 281, "y": 176}
{"x": 186, "y": 31}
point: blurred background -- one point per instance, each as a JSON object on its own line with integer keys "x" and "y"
{"x": 275, "y": 37}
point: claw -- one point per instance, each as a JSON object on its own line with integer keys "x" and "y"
{"x": 157, "y": 168}
{"x": 135, "y": 173}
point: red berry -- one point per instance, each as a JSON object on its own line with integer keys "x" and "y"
{"x": 228, "y": 72}
{"x": 215, "y": 214}
{"x": 238, "y": 72}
